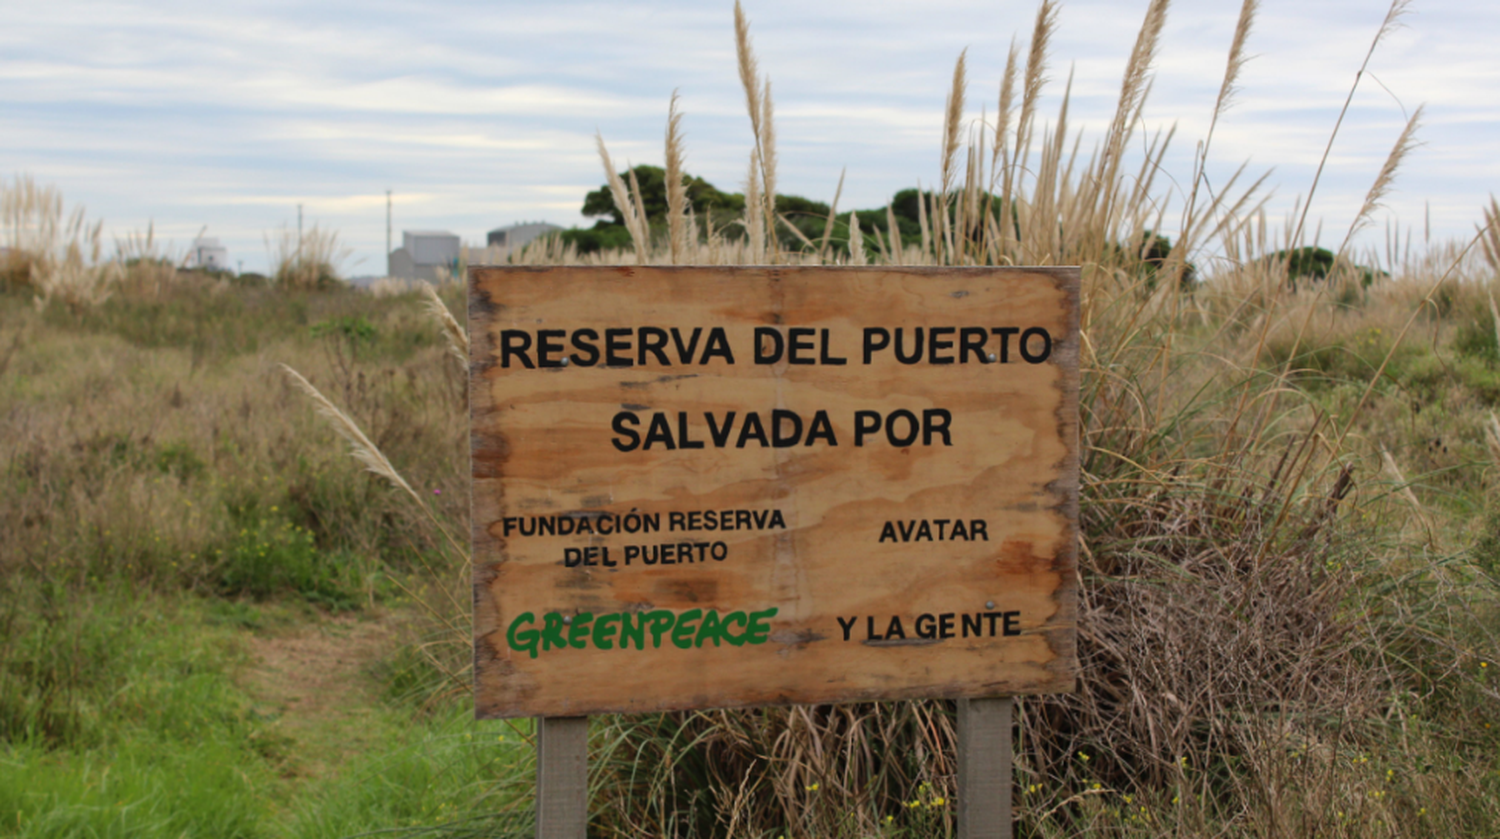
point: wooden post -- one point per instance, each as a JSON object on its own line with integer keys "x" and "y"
{"x": 984, "y": 769}
{"x": 562, "y": 777}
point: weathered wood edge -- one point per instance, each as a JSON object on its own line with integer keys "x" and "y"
{"x": 1063, "y": 640}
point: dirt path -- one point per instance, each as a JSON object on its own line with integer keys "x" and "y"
{"x": 313, "y": 682}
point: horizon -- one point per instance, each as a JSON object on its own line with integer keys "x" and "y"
{"x": 227, "y": 121}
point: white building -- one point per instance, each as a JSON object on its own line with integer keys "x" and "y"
{"x": 422, "y": 253}
{"x": 502, "y": 242}
{"x": 513, "y": 237}
{"x": 208, "y": 254}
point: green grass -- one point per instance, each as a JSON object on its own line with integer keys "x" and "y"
{"x": 122, "y": 719}
{"x": 453, "y": 778}
{"x": 195, "y": 509}
{"x": 151, "y": 559}
{"x": 127, "y": 714}
{"x": 281, "y": 558}
{"x": 145, "y": 788}
{"x": 215, "y": 322}
{"x": 90, "y": 666}
{"x": 1289, "y": 608}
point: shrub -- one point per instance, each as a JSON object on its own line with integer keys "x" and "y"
{"x": 272, "y": 558}
{"x": 306, "y": 261}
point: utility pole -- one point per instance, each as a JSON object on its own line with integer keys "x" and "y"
{"x": 299, "y": 235}
{"x": 388, "y": 231}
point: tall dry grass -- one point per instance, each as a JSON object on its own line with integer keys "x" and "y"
{"x": 306, "y": 260}
{"x": 1255, "y": 621}
{"x": 1250, "y": 622}
{"x": 151, "y": 441}
{"x": 58, "y": 257}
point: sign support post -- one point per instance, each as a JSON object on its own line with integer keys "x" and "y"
{"x": 985, "y": 781}
{"x": 562, "y": 777}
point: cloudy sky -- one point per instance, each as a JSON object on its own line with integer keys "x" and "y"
{"x": 482, "y": 114}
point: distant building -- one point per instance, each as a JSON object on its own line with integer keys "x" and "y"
{"x": 517, "y": 235}
{"x": 422, "y": 253}
{"x": 502, "y": 242}
{"x": 208, "y": 254}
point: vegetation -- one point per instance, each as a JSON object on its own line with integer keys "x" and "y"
{"x": 804, "y": 220}
{"x": 214, "y": 622}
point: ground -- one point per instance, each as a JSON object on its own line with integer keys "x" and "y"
{"x": 314, "y": 682}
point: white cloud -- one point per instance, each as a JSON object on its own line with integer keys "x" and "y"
{"x": 482, "y": 113}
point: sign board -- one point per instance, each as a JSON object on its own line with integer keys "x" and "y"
{"x": 704, "y": 487}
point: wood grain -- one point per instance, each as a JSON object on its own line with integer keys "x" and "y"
{"x": 543, "y": 448}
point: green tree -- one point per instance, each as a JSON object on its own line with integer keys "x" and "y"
{"x": 602, "y": 236}
{"x": 704, "y": 197}
{"x": 1314, "y": 264}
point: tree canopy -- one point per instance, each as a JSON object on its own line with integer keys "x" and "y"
{"x": 704, "y": 197}
{"x": 809, "y": 217}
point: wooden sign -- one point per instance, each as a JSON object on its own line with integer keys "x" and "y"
{"x": 719, "y": 487}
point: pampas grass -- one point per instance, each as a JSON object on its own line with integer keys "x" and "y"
{"x": 754, "y": 221}
{"x": 953, "y": 113}
{"x": 58, "y": 257}
{"x": 1235, "y": 63}
{"x": 306, "y": 260}
{"x": 1385, "y": 178}
{"x": 760, "y": 198}
{"x": 1392, "y": 19}
{"x": 1490, "y": 235}
{"x": 366, "y": 452}
{"x": 856, "y": 241}
{"x": 1031, "y": 88}
{"x": 444, "y": 652}
{"x": 833, "y": 209}
{"x": 1234, "y": 620}
{"x": 360, "y": 447}
{"x": 627, "y": 205}
{"x": 31, "y": 215}
{"x": 677, "y": 220}
{"x": 457, "y": 338}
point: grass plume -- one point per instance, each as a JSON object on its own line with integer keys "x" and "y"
{"x": 625, "y": 202}
{"x": 833, "y": 209}
{"x": 1220, "y": 502}
{"x": 453, "y": 332}
{"x": 1386, "y": 177}
{"x": 856, "y": 242}
{"x": 1031, "y": 89}
{"x": 1490, "y": 238}
{"x": 676, "y": 186}
{"x": 1392, "y": 19}
{"x": 953, "y": 112}
{"x": 360, "y": 447}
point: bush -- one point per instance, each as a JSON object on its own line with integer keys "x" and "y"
{"x": 602, "y": 236}
{"x": 271, "y": 558}
{"x": 1314, "y": 264}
